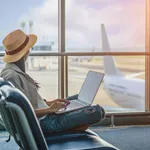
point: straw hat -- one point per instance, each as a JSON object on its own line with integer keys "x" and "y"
{"x": 17, "y": 44}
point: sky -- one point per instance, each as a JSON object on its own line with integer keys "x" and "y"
{"x": 124, "y": 21}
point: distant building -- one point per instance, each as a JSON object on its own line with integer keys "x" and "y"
{"x": 42, "y": 48}
{"x": 36, "y": 48}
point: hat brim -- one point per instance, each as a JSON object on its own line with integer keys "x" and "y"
{"x": 19, "y": 55}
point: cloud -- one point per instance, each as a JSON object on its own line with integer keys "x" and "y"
{"x": 124, "y": 21}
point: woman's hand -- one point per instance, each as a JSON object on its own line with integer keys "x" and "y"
{"x": 56, "y": 105}
{"x": 58, "y": 100}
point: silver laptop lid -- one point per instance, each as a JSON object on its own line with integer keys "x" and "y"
{"x": 90, "y": 87}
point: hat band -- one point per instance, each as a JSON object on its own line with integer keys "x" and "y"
{"x": 19, "y": 48}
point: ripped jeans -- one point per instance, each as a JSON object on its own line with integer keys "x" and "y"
{"x": 69, "y": 120}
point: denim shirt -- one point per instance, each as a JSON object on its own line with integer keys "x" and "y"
{"x": 25, "y": 83}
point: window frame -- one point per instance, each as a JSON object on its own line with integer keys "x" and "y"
{"x": 63, "y": 60}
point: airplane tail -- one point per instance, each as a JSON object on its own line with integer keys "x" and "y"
{"x": 109, "y": 62}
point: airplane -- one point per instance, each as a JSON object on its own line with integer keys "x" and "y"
{"x": 125, "y": 91}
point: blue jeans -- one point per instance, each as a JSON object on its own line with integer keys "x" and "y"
{"x": 78, "y": 118}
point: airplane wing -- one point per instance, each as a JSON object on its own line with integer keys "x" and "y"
{"x": 135, "y": 74}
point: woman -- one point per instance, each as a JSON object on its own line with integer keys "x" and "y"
{"x": 17, "y": 45}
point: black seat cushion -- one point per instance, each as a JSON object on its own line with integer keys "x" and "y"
{"x": 77, "y": 140}
{"x": 86, "y": 142}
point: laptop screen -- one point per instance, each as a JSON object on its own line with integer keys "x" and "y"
{"x": 90, "y": 87}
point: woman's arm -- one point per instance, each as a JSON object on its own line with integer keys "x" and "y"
{"x": 54, "y": 107}
{"x": 41, "y": 112}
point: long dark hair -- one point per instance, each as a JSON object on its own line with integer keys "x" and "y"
{"x": 21, "y": 64}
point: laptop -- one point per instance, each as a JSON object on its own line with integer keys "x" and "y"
{"x": 87, "y": 93}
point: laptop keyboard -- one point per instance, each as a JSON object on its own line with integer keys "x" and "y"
{"x": 75, "y": 104}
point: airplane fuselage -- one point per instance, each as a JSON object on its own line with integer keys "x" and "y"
{"x": 126, "y": 92}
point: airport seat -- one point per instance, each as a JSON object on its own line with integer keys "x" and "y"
{"x": 21, "y": 122}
